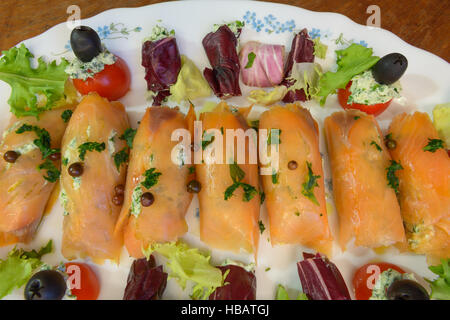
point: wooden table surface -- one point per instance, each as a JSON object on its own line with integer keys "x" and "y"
{"x": 422, "y": 23}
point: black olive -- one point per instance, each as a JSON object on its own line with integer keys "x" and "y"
{"x": 46, "y": 285}
{"x": 390, "y": 68}
{"x": 11, "y": 156}
{"x": 194, "y": 186}
{"x": 147, "y": 199}
{"x": 292, "y": 165}
{"x": 55, "y": 156}
{"x": 406, "y": 290}
{"x": 85, "y": 43}
{"x": 76, "y": 169}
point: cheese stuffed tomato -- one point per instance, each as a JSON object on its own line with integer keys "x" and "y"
{"x": 366, "y": 204}
{"x": 424, "y": 184}
{"x": 296, "y": 199}
{"x": 89, "y": 178}
{"x": 229, "y": 201}
{"x": 156, "y": 197}
{"x": 24, "y": 189}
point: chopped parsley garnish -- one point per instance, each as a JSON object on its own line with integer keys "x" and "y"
{"x": 388, "y": 136}
{"x": 310, "y": 184}
{"x": 274, "y": 139}
{"x": 151, "y": 178}
{"x": 208, "y": 138}
{"x": 373, "y": 143}
{"x": 356, "y": 117}
{"x": 262, "y": 197}
{"x": 43, "y": 140}
{"x": 267, "y": 269}
{"x": 237, "y": 174}
{"x": 65, "y": 161}
{"x": 90, "y": 146}
{"x": 128, "y": 136}
{"x": 254, "y": 124}
{"x": 191, "y": 169}
{"x": 392, "y": 179}
{"x": 275, "y": 177}
{"x": 251, "y": 58}
{"x": 433, "y": 145}
{"x": 66, "y": 115}
{"x": 52, "y": 172}
{"x": 121, "y": 157}
{"x": 261, "y": 226}
{"x": 297, "y": 213}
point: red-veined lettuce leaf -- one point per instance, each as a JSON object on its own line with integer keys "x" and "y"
{"x": 220, "y": 47}
{"x": 146, "y": 281}
{"x": 239, "y": 284}
{"x": 321, "y": 279}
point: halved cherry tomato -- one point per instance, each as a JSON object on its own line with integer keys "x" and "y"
{"x": 374, "y": 109}
{"x": 112, "y": 83}
{"x": 82, "y": 281}
{"x": 366, "y": 276}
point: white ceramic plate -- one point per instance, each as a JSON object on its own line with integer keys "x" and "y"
{"x": 425, "y": 84}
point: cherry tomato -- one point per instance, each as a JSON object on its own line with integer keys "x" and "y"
{"x": 82, "y": 281}
{"x": 113, "y": 82}
{"x": 374, "y": 109}
{"x": 366, "y": 276}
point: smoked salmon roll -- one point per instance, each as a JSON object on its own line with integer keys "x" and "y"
{"x": 28, "y": 172}
{"x": 91, "y": 173}
{"x": 156, "y": 197}
{"x": 295, "y": 196}
{"x": 424, "y": 183}
{"x": 229, "y": 201}
{"x": 365, "y": 200}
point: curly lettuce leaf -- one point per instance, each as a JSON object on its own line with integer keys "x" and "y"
{"x": 189, "y": 264}
{"x": 34, "y": 90}
{"x": 351, "y": 61}
{"x": 18, "y": 267}
{"x": 283, "y": 295}
{"x": 440, "y": 287}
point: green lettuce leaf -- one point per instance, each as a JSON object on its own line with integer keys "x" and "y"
{"x": 34, "y": 90}
{"x": 18, "y": 267}
{"x": 189, "y": 264}
{"x": 283, "y": 295}
{"x": 440, "y": 287}
{"x": 351, "y": 61}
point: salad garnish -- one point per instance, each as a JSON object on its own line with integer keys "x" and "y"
{"x": 18, "y": 267}
{"x": 351, "y": 61}
{"x": 189, "y": 264}
{"x": 440, "y": 287}
{"x": 34, "y": 90}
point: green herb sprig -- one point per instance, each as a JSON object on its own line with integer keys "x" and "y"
{"x": 392, "y": 179}
{"x": 310, "y": 184}
{"x": 237, "y": 174}
{"x": 90, "y": 146}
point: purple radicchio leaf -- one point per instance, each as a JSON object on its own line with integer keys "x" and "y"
{"x": 162, "y": 63}
{"x": 302, "y": 50}
{"x": 240, "y": 284}
{"x": 220, "y": 47}
{"x": 146, "y": 281}
{"x": 321, "y": 279}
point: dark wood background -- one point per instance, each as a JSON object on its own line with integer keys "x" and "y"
{"x": 422, "y": 23}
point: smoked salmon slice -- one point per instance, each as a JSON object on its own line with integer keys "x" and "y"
{"x": 424, "y": 184}
{"x": 297, "y": 211}
{"x": 229, "y": 201}
{"x": 90, "y": 213}
{"x": 24, "y": 192}
{"x": 367, "y": 206}
{"x": 164, "y": 220}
